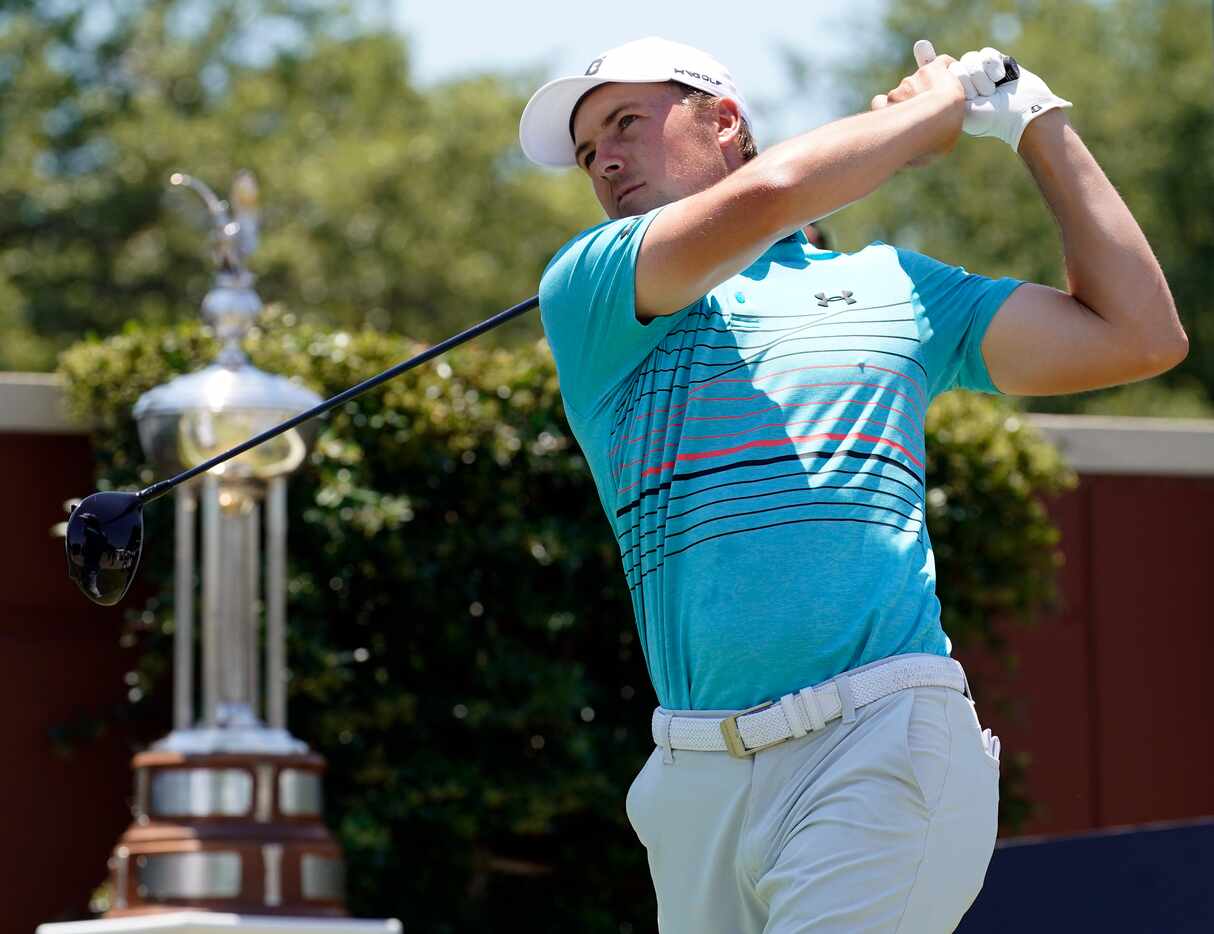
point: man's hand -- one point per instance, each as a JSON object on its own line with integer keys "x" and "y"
{"x": 934, "y": 76}
{"x": 1004, "y": 111}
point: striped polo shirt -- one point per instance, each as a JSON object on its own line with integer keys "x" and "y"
{"x": 760, "y": 453}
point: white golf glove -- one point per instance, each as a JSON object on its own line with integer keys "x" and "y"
{"x": 1003, "y": 111}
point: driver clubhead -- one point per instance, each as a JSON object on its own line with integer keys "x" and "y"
{"x": 104, "y": 541}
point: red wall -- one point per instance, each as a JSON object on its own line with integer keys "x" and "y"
{"x": 59, "y": 658}
{"x": 1110, "y": 702}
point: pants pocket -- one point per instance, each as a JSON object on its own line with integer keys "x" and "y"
{"x": 961, "y": 830}
{"x": 636, "y": 799}
{"x": 990, "y": 749}
{"x": 985, "y": 740}
{"x": 929, "y": 742}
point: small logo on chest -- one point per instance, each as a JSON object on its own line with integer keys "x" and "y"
{"x": 844, "y": 295}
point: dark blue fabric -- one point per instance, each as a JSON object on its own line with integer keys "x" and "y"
{"x": 1158, "y": 879}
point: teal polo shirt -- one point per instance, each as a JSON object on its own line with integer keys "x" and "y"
{"x": 760, "y": 453}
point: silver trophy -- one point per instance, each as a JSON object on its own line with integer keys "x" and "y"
{"x": 227, "y": 807}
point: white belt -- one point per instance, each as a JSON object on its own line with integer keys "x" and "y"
{"x": 805, "y": 711}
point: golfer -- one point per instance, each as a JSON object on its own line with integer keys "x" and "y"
{"x": 752, "y": 409}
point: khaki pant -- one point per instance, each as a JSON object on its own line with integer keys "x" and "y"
{"x": 883, "y": 824}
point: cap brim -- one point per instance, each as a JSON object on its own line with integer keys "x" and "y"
{"x": 543, "y": 130}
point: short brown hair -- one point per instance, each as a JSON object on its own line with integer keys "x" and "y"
{"x": 702, "y": 101}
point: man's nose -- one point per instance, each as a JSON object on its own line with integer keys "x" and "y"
{"x": 609, "y": 163}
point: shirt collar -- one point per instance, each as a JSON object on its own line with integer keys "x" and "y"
{"x": 797, "y": 236}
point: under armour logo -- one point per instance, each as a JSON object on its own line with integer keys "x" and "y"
{"x": 594, "y": 66}
{"x": 1036, "y": 108}
{"x": 843, "y": 296}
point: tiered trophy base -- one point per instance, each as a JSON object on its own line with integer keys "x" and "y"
{"x": 227, "y": 831}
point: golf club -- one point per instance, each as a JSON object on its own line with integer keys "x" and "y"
{"x": 104, "y": 537}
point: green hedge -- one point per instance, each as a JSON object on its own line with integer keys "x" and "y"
{"x": 461, "y": 641}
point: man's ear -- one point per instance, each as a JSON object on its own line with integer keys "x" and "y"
{"x": 729, "y": 121}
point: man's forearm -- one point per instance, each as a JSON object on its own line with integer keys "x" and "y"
{"x": 1109, "y": 264}
{"x": 701, "y": 240}
{"x": 832, "y": 166}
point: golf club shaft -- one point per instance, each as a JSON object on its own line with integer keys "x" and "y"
{"x": 159, "y": 489}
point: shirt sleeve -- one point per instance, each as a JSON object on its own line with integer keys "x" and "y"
{"x": 588, "y": 307}
{"x": 954, "y": 308}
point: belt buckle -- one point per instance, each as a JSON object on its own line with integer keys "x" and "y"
{"x": 733, "y": 738}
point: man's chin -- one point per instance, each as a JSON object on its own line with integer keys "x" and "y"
{"x": 640, "y": 203}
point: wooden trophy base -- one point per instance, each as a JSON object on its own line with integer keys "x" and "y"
{"x": 232, "y": 832}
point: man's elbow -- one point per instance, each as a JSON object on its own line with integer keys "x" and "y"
{"x": 1155, "y": 341}
{"x": 1161, "y": 354}
{"x": 1176, "y": 351}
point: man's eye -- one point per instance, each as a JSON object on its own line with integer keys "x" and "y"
{"x": 626, "y": 119}
{"x": 587, "y": 159}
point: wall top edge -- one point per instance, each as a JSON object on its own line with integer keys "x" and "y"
{"x": 32, "y": 403}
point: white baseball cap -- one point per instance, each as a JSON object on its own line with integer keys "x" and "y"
{"x": 544, "y": 130}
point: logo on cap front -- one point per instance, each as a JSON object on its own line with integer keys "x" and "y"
{"x": 695, "y": 74}
{"x": 594, "y": 67}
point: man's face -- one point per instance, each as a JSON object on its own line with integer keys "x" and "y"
{"x": 643, "y": 147}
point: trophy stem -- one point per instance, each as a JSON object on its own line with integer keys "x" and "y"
{"x": 183, "y": 610}
{"x": 276, "y": 604}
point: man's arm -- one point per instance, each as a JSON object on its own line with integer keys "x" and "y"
{"x": 700, "y": 241}
{"x": 1118, "y": 323}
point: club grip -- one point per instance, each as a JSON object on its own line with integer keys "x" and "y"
{"x": 1011, "y": 71}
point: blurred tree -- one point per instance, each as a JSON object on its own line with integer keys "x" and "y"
{"x": 386, "y": 204}
{"x": 1139, "y": 74}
